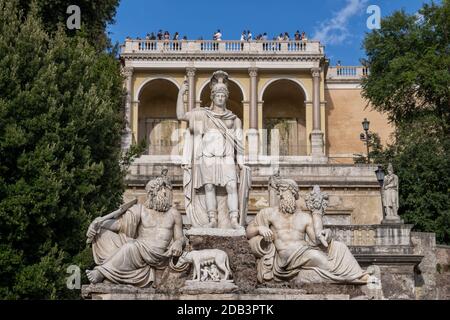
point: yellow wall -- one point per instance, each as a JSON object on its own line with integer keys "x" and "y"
{"x": 345, "y": 111}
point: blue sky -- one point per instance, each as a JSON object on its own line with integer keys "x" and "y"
{"x": 339, "y": 24}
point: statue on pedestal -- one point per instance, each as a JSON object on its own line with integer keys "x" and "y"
{"x": 390, "y": 195}
{"x": 215, "y": 193}
{"x": 286, "y": 245}
{"x": 130, "y": 243}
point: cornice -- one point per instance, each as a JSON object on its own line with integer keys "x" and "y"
{"x": 220, "y": 57}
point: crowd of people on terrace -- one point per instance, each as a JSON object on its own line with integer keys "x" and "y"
{"x": 246, "y": 35}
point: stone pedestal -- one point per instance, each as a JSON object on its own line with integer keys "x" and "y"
{"x": 317, "y": 143}
{"x": 235, "y": 244}
{"x": 392, "y": 220}
{"x": 354, "y": 292}
{"x": 252, "y": 140}
{"x": 209, "y": 287}
{"x": 121, "y": 292}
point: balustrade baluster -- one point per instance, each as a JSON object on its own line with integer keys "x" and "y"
{"x": 232, "y": 46}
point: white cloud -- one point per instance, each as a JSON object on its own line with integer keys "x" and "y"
{"x": 335, "y": 31}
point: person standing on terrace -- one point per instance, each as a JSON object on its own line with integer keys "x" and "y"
{"x": 304, "y": 38}
{"x": 243, "y": 36}
{"x": 218, "y": 36}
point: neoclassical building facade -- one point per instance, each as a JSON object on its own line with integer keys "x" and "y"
{"x": 300, "y": 116}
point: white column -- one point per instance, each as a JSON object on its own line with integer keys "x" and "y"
{"x": 253, "y": 127}
{"x": 127, "y": 134}
{"x": 316, "y": 134}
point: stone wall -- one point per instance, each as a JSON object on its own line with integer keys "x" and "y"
{"x": 354, "y": 191}
{"x": 443, "y": 272}
{"x": 425, "y": 272}
{"x": 432, "y": 275}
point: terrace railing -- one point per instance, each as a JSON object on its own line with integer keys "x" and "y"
{"x": 347, "y": 72}
{"x": 224, "y": 46}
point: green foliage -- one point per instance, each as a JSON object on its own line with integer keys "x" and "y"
{"x": 421, "y": 158}
{"x": 409, "y": 59}
{"x": 60, "y": 129}
{"x": 95, "y": 15}
{"x": 136, "y": 150}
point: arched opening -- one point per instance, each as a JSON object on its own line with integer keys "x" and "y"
{"x": 284, "y": 118}
{"x": 234, "y": 101}
{"x": 157, "y": 120}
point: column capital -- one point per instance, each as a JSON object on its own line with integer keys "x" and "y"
{"x": 190, "y": 71}
{"x": 316, "y": 72}
{"x": 253, "y": 71}
{"x": 128, "y": 71}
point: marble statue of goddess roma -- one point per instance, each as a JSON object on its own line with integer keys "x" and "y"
{"x": 277, "y": 237}
{"x": 129, "y": 244}
{"x": 212, "y": 157}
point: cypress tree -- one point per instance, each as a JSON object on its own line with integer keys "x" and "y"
{"x": 60, "y": 128}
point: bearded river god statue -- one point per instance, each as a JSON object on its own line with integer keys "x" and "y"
{"x": 215, "y": 182}
{"x": 130, "y": 243}
{"x": 287, "y": 245}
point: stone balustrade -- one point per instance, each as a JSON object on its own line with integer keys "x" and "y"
{"x": 222, "y": 47}
{"x": 145, "y": 168}
{"x": 378, "y": 244}
{"x": 347, "y": 72}
{"x": 372, "y": 235}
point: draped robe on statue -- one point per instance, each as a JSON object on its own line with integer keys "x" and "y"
{"x": 342, "y": 266}
{"x": 390, "y": 194}
{"x": 210, "y": 149}
{"x": 129, "y": 256}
